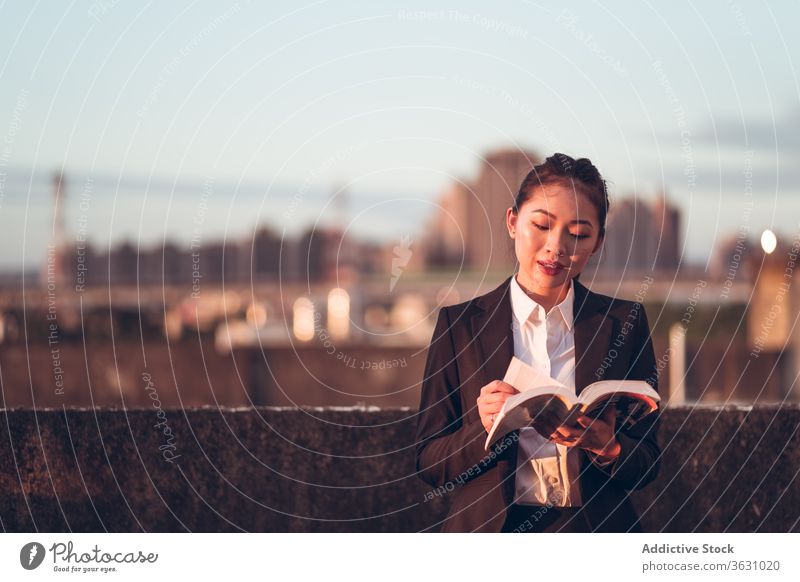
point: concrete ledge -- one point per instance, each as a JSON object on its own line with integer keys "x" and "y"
{"x": 323, "y": 469}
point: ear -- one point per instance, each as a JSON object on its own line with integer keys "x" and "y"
{"x": 511, "y": 222}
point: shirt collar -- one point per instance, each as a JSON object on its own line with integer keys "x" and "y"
{"x": 523, "y": 305}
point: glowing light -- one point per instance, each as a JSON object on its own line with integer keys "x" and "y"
{"x": 303, "y": 324}
{"x": 768, "y": 241}
{"x": 256, "y": 315}
{"x": 408, "y": 313}
{"x": 338, "y": 313}
{"x": 173, "y": 324}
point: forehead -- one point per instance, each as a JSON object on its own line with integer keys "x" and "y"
{"x": 560, "y": 199}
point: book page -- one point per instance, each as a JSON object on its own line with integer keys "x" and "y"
{"x": 605, "y": 387}
{"x": 524, "y": 377}
{"x": 536, "y": 388}
{"x": 633, "y": 399}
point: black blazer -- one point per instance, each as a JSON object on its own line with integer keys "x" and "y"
{"x": 472, "y": 345}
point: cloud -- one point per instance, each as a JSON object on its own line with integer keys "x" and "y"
{"x": 780, "y": 135}
{"x": 762, "y": 174}
{"x": 734, "y": 154}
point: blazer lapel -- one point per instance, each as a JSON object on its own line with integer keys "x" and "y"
{"x": 492, "y": 332}
{"x": 494, "y": 340}
{"x": 594, "y": 331}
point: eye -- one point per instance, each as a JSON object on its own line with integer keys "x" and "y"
{"x": 546, "y": 227}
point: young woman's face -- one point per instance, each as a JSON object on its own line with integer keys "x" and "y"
{"x": 556, "y": 231}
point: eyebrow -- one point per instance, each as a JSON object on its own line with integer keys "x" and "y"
{"x": 554, "y": 216}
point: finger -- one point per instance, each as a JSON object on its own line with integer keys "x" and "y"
{"x": 498, "y": 386}
{"x": 490, "y": 409}
{"x": 569, "y": 433}
{"x": 488, "y": 388}
{"x": 594, "y": 425}
{"x": 494, "y": 397}
{"x": 488, "y": 420}
{"x": 565, "y": 442}
{"x": 507, "y": 387}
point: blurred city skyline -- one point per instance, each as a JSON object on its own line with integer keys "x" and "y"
{"x": 281, "y": 106}
{"x": 109, "y": 214}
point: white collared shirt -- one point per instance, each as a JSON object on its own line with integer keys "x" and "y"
{"x": 547, "y": 473}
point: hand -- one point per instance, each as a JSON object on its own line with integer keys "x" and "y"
{"x": 593, "y": 435}
{"x": 491, "y": 400}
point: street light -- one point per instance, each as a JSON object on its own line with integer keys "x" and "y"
{"x": 768, "y": 241}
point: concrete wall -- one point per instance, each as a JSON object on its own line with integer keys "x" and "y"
{"x": 268, "y": 469}
{"x": 191, "y": 372}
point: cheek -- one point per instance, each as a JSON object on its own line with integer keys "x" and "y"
{"x": 530, "y": 236}
{"x": 525, "y": 244}
{"x": 529, "y": 243}
{"x": 582, "y": 248}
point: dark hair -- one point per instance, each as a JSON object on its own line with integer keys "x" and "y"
{"x": 580, "y": 174}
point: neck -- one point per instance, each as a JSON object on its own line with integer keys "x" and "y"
{"x": 548, "y": 297}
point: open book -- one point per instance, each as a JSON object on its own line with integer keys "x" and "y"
{"x": 539, "y": 393}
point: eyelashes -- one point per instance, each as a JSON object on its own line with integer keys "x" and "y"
{"x": 578, "y": 236}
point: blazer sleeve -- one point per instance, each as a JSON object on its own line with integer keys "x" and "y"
{"x": 448, "y": 447}
{"x": 640, "y": 456}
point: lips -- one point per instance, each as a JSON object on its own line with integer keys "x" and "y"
{"x": 551, "y": 267}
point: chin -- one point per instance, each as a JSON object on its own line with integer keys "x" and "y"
{"x": 550, "y": 282}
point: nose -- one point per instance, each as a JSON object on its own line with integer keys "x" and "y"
{"x": 556, "y": 245}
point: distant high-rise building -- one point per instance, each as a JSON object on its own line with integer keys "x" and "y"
{"x": 446, "y": 237}
{"x": 640, "y": 237}
{"x": 122, "y": 265}
{"x": 734, "y": 257}
{"x": 262, "y": 255}
{"x": 667, "y": 222}
{"x": 488, "y": 243}
{"x": 469, "y": 229}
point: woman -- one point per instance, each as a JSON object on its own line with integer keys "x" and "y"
{"x": 545, "y": 477}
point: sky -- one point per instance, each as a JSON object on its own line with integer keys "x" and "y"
{"x": 174, "y": 118}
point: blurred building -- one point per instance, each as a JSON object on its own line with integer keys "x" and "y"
{"x": 447, "y": 236}
{"x": 666, "y": 220}
{"x": 492, "y": 194}
{"x": 469, "y": 231}
{"x": 641, "y": 236}
{"x": 734, "y": 257}
{"x": 322, "y": 254}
